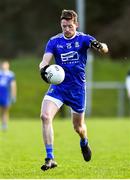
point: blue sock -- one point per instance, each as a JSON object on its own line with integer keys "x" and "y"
{"x": 83, "y": 142}
{"x": 4, "y": 126}
{"x": 49, "y": 151}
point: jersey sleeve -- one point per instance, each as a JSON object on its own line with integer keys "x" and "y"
{"x": 49, "y": 47}
{"x": 12, "y": 76}
{"x": 88, "y": 40}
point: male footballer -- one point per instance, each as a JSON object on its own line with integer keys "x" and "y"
{"x": 127, "y": 83}
{"x": 7, "y": 92}
{"x": 69, "y": 50}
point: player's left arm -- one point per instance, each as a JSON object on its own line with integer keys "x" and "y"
{"x": 13, "y": 91}
{"x": 101, "y": 47}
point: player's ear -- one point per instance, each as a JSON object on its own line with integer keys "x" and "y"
{"x": 77, "y": 24}
{"x": 61, "y": 24}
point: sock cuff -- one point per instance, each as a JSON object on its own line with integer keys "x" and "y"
{"x": 83, "y": 142}
{"x": 49, "y": 151}
{"x": 49, "y": 146}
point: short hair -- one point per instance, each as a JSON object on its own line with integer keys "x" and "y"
{"x": 69, "y": 15}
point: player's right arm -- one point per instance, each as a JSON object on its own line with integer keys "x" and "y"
{"x": 47, "y": 57}
{"x": 45, "y": 64}
{"x": 45, "y": 60}
{"x": 13, "y": 91}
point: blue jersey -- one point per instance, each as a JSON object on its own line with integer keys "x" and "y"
{"x": 6, "y": 77}
{"x": 71, "y": 54}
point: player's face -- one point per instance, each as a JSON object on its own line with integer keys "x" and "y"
{"x": 68, "y": 27}
{"x": 5, "y": 66}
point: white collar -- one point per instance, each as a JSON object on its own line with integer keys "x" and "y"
{"x": 71, "y": 37}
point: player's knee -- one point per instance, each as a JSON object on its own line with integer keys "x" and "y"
{"x": 45, "y": 117}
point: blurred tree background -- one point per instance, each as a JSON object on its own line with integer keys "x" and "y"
{"x": 26, "y": 25}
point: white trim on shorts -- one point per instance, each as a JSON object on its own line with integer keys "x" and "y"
{"x": 72, "y": 111}
{"x": 58, "y": 102}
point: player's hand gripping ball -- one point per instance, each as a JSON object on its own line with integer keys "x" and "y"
{"x": 55, "y": 74}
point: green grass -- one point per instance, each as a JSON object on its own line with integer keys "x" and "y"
{"x": 22, "y": 151}
{"x": 107, "y": 70}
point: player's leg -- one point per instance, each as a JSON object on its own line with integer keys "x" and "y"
{"x": 48, "y": 111}
{"x": 81, "y": 129}
{"x": 4, "y": 117}
{"x": 128, "y": 93}
{"x": 79, "y": 124}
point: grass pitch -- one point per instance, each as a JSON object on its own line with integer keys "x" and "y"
{"x": 22, "y": 151}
